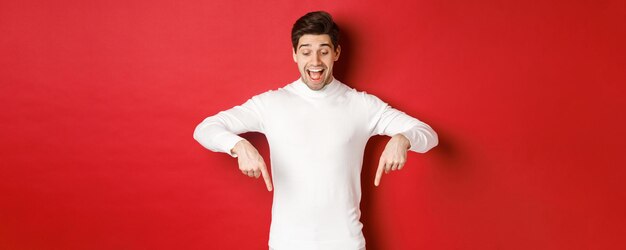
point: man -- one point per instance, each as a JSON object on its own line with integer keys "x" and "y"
{"x": 317, "y": 129}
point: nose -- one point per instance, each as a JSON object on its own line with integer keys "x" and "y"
{"x": 315, "y": 60}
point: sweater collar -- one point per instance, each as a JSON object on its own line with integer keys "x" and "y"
{"x": 301, "y": 88}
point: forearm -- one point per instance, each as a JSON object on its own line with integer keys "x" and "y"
{"x": 421, "y": 137}
{"x": 213, "y": 135}
{"x": 219, "y": 133}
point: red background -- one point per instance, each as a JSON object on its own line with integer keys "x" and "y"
{"x": 100, "y": 99}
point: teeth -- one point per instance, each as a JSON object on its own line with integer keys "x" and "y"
{"x": 315, "y": 70}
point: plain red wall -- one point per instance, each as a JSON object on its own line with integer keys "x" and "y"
{"x": 100, "y": 99}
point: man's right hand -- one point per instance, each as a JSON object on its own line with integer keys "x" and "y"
{"x": 251, "y": 163}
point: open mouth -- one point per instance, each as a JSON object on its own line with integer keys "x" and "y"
{"x": 315, "y": 74}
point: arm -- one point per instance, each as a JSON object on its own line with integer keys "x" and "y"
{"x": 407, "y": 133}
{"x": 390, "y": 122}
{"x": 219, "y": 133}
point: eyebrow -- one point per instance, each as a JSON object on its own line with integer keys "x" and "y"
{"x": 309, "y": 45}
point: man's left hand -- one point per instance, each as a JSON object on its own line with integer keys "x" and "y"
{"x": 393, "y": 157}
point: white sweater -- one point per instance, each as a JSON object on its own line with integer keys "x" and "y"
{"x": 316, "y": 140}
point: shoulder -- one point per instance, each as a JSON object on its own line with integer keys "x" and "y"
{"x": 271, "y": 97}
{"x": 363, "y": 96}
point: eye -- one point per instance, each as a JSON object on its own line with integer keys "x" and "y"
{"x": 306, "y": 53}
{"x": 324, "y": 52}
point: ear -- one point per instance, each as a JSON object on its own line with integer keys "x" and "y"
{"x": 337, "y": 52}
{"x": 294, "y": 55}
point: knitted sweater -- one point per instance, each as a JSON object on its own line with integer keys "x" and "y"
{"x": 316, "y": 140}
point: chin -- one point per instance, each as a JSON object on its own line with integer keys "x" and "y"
{"x": 314, "y": 86}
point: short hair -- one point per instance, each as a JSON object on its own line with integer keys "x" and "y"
{"x": 315, "y": 23}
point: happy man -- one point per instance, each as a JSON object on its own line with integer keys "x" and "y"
{"x": 317, "y": 128}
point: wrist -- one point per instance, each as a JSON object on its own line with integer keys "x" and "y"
{"x": 237, "y": 148}
{"x": 404, "y": 141}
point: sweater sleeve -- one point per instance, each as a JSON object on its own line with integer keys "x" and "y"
{"x": 219, "y": 133}
{"x": 385, "y": 120}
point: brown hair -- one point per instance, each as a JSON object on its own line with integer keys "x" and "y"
{"x": 315, "y": 23}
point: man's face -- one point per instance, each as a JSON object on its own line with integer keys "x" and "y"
{"x": 315, "y": 56}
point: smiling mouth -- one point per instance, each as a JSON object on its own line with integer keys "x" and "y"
{"x": 315, "y": 74}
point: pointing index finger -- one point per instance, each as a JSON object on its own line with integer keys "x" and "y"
{"x": 266, "y": 177}
{"x": 379, "y": 172}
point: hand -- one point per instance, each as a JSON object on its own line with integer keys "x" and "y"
{"x": 251, "y": 163}
{"x": 393, "y": 157}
